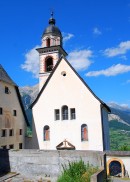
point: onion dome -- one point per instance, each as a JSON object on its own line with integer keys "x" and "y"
{"x": 52, "y": 29}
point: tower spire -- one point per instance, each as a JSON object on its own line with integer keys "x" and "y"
{"x": 51, "y": 50}
{"x": 52, "y": 20}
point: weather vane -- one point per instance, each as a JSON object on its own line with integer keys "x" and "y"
{"x": 52, "y": 12}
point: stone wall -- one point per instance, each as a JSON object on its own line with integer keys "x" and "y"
{"x": 45, "y": 163}
{"x": 100, "y": 176}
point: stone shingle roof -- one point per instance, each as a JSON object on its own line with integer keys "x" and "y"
{"x": 5, "y": 77}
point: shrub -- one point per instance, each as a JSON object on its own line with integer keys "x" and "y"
{"x": 77, "y": 172}
{"x": 124, "y": 148}
{"x": 89, "y": 172}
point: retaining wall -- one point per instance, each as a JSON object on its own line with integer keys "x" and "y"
{"x": 45, "y": 163}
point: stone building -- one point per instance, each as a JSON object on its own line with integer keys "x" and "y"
{"x": 66, "y": 113}
{"x": 13, "y": 120}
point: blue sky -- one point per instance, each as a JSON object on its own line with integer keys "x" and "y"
{"x": 96, "y": 37}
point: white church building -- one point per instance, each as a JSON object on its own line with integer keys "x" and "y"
{"x": 66, "y": 113}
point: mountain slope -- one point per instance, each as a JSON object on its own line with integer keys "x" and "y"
{"x": 28, "y": 95}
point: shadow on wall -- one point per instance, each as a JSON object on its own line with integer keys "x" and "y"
{"x": 4, "y": 162}
{"x": 32, "y": 142}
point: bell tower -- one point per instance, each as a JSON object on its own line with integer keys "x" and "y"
{"x": 51, "y": 50}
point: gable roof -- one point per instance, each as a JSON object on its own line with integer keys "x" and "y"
{"x": 53, "y": 71}
{"x": 6, "y": 78}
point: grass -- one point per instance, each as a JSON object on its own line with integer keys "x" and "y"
{"x": 77, "y": 172}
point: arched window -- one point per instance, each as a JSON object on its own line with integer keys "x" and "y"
{"x": 48, "y": 42}
{"x": 65, "y": 113}
{"x": 46, "y": 133}
{"x": 49, "y": 64}
{"x": 84, "y": 132}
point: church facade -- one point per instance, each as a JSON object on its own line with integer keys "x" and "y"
{"x": 66, "y": 113}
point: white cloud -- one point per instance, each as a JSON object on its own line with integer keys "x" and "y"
{"x": 123, "y": 57}
{"x": 96, "y": 31}
{"x": 122, "y": 48}
{"x": 111, "y": 71}
{"x": 80, "y": 59}
{"x": 67, "y": 36}
{"x": 128, "y": 81}
{"x": 31, "y": 63}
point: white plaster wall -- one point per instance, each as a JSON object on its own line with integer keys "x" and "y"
{"x": 70, "y": 91}
{"x": 124, "y": 159}
{"x": 9, "y": 102}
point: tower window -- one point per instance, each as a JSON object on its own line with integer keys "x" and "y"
{"x": 49, "y": 64}
{"x": 46, "y": 133}
{"x": 72, "y": 113}
{"x": 48, "y": 42}
{"x": 84, "y": 132}
{"x": 65, "y": 113}
{"x": 57, "y": 114}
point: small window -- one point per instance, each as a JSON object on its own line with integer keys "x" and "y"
{"x": 14, "y": 112}
{"x": 1, "y": 110}
{"x": 57, "y": 114}
{"x": 11, "y": 146}
{"x": 7, "y": 90}
{"x": 63, "y": 73}
{"x": 20, "y": 145}
{"x": 3, "y": 133}
{"x": 72, "y": 113}
{"x": 84, "y": 132}
{"x": 20, "y": 132}
{"x": 48, "y": 42}
{"x": 11, "y": 132}
{"x": 46, "y": 133}
{"x": 4, "y": 147}
{"x": 65, "y": 113}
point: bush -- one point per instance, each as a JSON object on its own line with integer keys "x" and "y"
{"x": 89, "y": 172}
{"x": 77, "y": 172}
{"x": 124, "y": 148}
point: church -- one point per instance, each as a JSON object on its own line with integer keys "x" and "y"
{"x": 67, "y": 115}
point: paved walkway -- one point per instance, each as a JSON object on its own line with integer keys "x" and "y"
{"x": 119, "y": 180}
{"x": 15, "y": 177}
